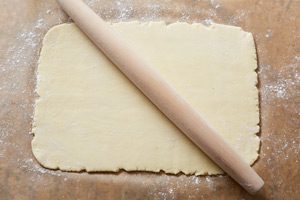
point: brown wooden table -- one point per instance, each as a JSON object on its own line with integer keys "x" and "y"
{"x": 276, "y": 28}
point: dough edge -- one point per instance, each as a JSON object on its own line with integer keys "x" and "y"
{"x": 46, "y": 164}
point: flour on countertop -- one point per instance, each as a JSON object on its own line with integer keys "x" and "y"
{"x": 269, "y": 33}
{"x": 278, "y": 88}
{"x": 286, "y": 82}
{"x": 22, "y": 56}
{"x": 21, "y": 60}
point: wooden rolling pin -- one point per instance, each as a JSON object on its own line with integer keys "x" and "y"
{"x": 162, "y": 94}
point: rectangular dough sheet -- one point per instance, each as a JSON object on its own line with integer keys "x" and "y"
{"x": 90, "y": 117}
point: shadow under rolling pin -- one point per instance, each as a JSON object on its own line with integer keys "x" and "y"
{"x": 162, "y": 95}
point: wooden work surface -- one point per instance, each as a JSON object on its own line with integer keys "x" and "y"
{"x": 276, "y": 28}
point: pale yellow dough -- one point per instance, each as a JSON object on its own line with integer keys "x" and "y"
{"x": 90, "y": 117}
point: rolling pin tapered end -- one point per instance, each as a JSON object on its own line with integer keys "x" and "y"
{"x": 255, "y": 188}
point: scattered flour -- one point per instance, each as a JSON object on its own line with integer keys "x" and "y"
{"x": 283, "y": 85}
{"x": 18, "y": 69}
{"x": 269, "y": 33}
{"x": 215, "y": 3}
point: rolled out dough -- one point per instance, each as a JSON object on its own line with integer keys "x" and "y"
{"x": 90, "y": 117}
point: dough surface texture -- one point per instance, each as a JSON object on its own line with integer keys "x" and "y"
{"x": 89, "y": 116}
